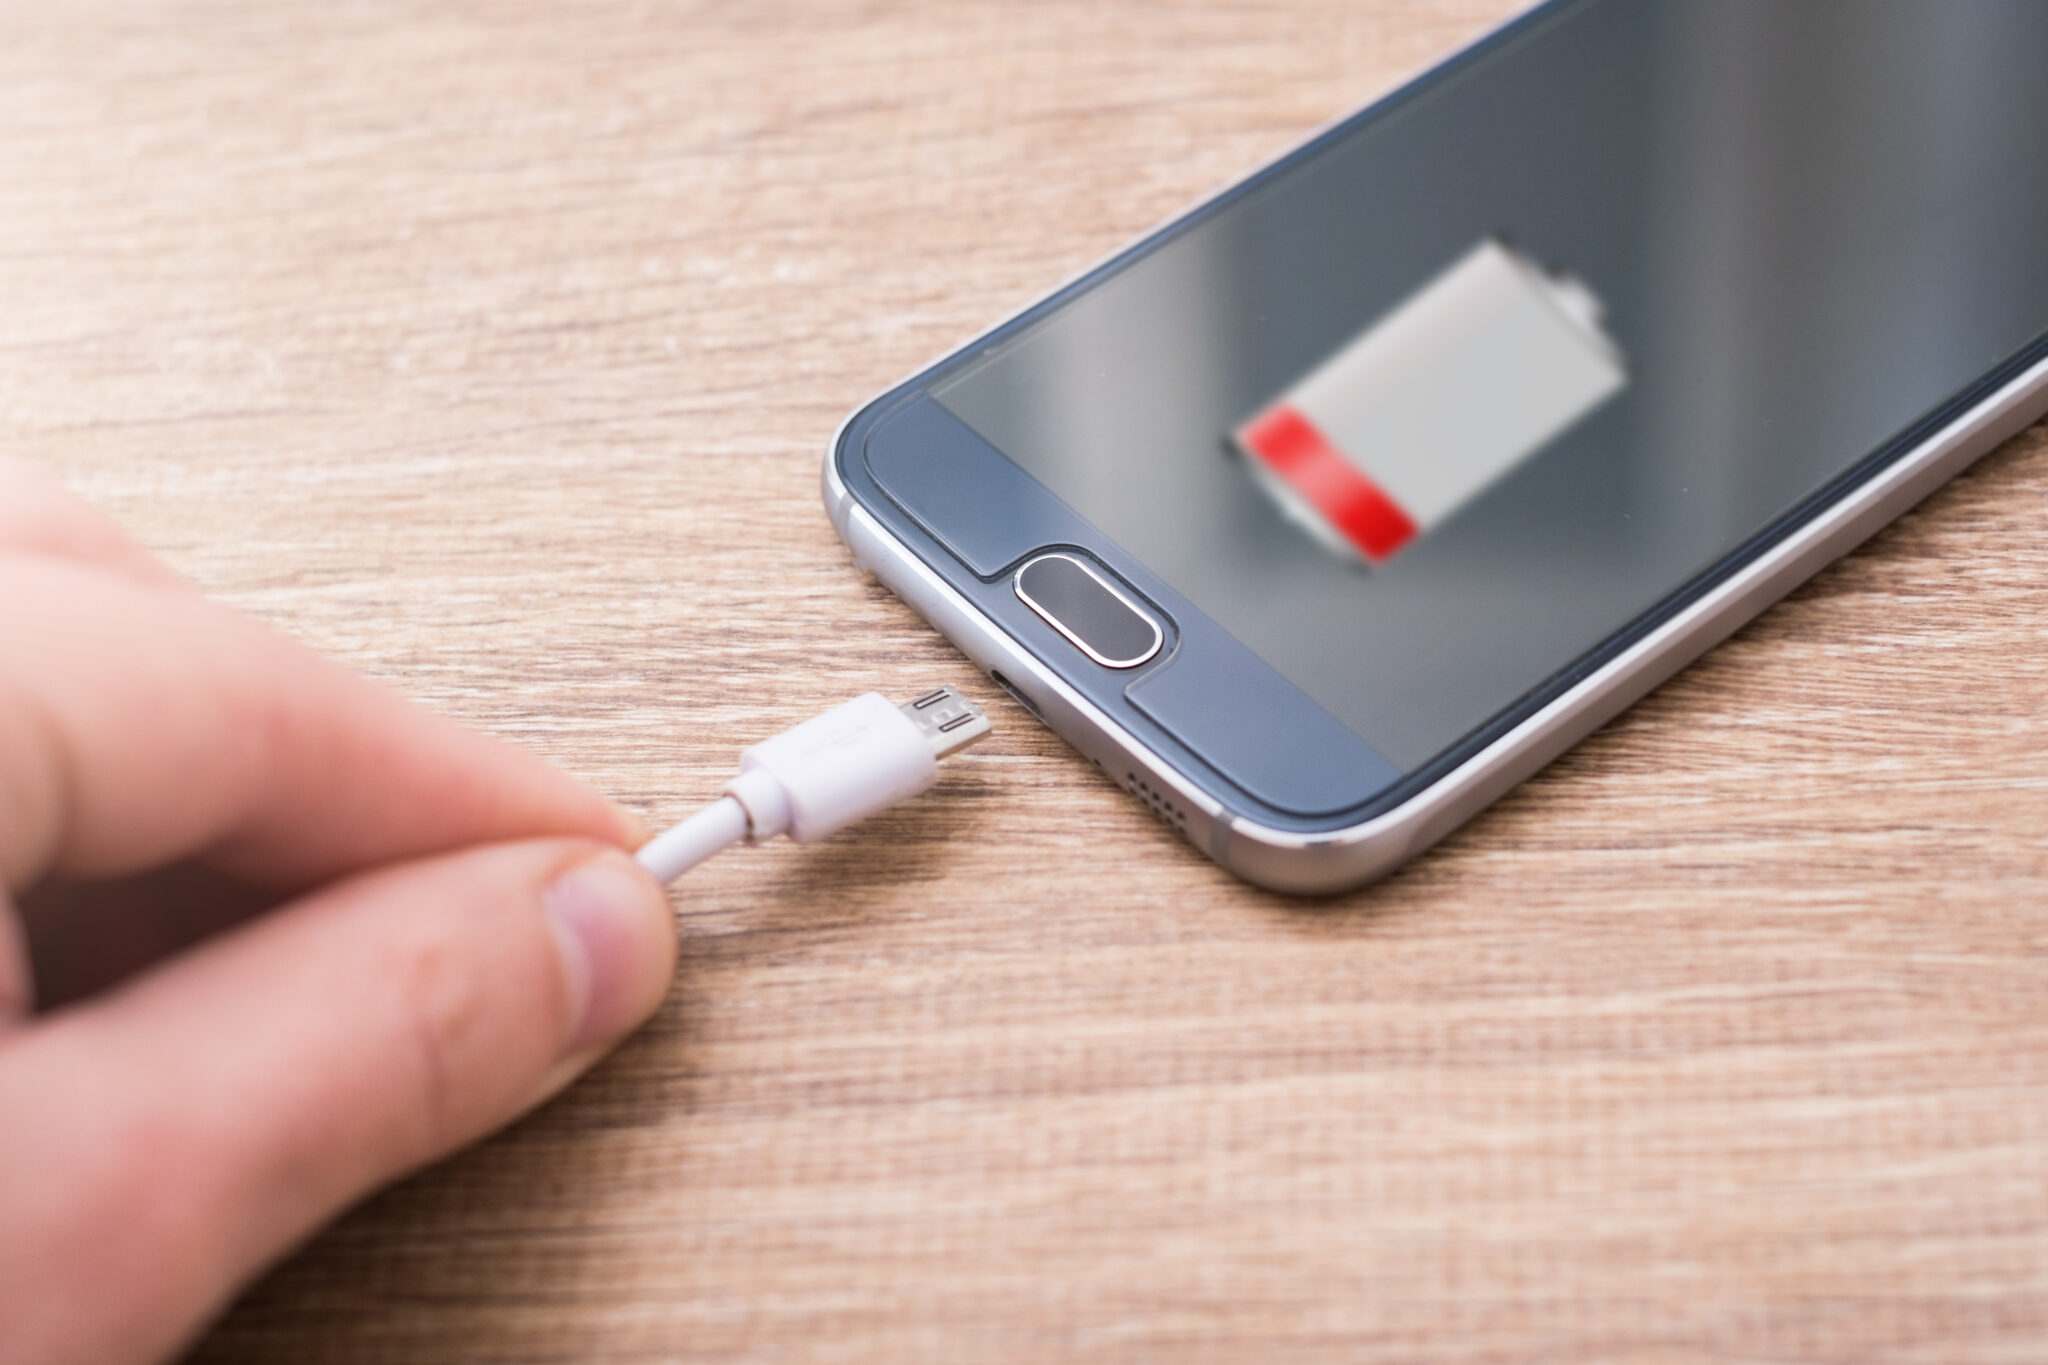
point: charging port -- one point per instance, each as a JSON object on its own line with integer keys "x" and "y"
{"x": 1019, "y": 697}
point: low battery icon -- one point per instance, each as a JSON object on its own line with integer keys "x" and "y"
{"x": 1434, "y": 403}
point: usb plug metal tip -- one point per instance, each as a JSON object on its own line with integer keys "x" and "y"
{"x": 948, "y": 720}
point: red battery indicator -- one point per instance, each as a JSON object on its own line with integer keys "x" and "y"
{"x": 1434, "y": 403}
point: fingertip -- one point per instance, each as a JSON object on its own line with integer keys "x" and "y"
{"x": 616, "y": 938}
{"x": 633, "y": 831}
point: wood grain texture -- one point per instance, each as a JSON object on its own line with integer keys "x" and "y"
{"x": 492, "y": 348}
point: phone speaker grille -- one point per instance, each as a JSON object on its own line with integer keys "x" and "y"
{"x": 1162, "y": 805}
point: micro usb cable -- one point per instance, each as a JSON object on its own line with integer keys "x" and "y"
{"x": 834, "y": 770}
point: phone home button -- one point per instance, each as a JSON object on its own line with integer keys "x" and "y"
{"x": 1080, "y": 603}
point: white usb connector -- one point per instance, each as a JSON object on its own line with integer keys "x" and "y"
{"x": 832, "y": 771}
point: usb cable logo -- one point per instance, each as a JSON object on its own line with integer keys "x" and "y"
{"x": 1434, "y": 403}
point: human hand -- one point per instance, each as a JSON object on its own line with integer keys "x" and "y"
{"x": 456, "y": 935}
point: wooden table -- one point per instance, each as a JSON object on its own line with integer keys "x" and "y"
{"x": 492, "y": 347}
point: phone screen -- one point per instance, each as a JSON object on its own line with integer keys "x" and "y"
{"x": 1455, "y": 395}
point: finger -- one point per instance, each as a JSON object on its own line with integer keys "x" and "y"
{"x": 170, "y": 1139}
{"x": 38, "y": 515}
{"x": 140, "y": 725}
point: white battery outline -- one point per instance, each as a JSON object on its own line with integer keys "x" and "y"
{"x": 1434, "y": 403}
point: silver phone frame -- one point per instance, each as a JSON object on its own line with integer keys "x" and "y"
{"x": 1338, "y": 860}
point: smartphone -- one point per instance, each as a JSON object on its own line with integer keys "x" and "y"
{"x": 1331, "y": 509}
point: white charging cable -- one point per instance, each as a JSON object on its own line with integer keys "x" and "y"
{"x": 832, "y": 771}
